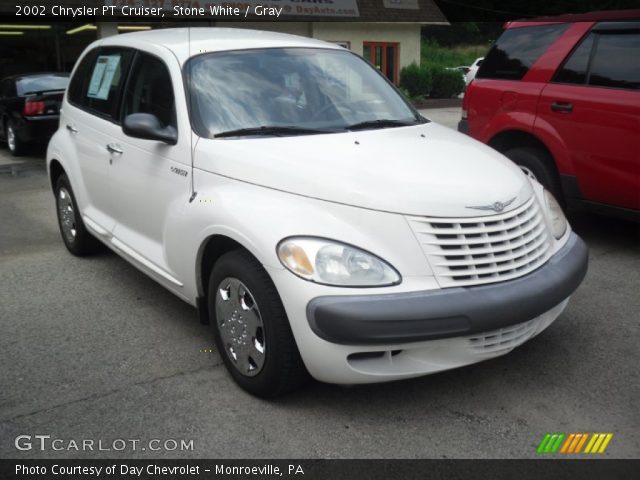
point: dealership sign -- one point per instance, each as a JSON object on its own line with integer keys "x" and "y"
{"x": 194, "y": 8}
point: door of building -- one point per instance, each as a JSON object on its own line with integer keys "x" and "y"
{"x": 384, "y": 56}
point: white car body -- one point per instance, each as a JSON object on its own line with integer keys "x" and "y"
{"x": 473, "y": 69}
{"x": 380, "y": 190}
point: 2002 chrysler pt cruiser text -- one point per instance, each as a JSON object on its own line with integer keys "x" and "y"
{"x": 318, "y": 222}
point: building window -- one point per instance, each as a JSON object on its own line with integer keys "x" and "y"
{"x": 384, "y": 56}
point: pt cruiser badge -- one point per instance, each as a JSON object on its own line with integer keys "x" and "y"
{"x": 496, "y": 207}
{"x": 341, "y": 246}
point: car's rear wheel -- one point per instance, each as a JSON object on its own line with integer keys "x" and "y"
{"x": 16, "y": 146}
{"x": 74, "y": 234}
{"x": 251, "y": 329}
{"x": 537, "y": 164}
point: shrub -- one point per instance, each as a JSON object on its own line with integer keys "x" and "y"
{"x": 415, "y": 80}
{"x": 445, "y": 83}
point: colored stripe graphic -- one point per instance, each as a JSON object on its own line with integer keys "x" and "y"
{"x": 581, "y": 443}
{"x": 572, "y": 443}
{"x": 550, "y": 443}
{"x": 598, "y": 443}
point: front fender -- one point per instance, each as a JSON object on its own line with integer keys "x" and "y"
{"x": 258, "y": 218}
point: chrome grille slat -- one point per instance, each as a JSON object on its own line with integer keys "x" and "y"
{"x": 495, "y": 249}
{"x": 500, "y": 227}
{"x": 510, "y": 255}
{"x": 511, "y": 265}
{"x": 491, "y": 248}
{"x": 485, "y": 237}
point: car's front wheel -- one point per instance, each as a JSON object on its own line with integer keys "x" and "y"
{"x": 251, "y": 329}
{"x": 74, "y": 234}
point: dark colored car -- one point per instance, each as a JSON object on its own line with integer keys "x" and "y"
{"x": 561, "y": 98}
{"x": 30, "y": 108}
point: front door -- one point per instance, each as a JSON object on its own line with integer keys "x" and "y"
{"x": 384, "y": 56}
{"x": 151, "y": 179}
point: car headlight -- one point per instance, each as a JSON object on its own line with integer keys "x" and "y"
{"x": 334, "y": 263}
{"x": 556, "y": 216}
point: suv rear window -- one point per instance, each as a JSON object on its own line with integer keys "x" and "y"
{"x": 517, "y": 50}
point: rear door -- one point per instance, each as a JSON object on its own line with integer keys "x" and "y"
{"x": 593, "y": 105}
{"x": 93, "y": 126}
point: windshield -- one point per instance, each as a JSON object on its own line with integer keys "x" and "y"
{"x": 320, "y": 90}
{"x": 42, "y": 83}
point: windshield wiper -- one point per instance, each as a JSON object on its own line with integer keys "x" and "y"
{"x": 272, "y": 130}
{"x": 381, "y": 123}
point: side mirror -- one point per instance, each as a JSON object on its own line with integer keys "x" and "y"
{"x": 148, "y": 127}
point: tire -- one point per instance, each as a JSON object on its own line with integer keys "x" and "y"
{"x": 15, "y": 145}
{"x": 239, "y": 283}
{"x": 538, "y": 164}
{"x": 74, "y": 234}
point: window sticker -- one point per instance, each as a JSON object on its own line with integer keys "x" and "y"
{"x": 102, "y": 77}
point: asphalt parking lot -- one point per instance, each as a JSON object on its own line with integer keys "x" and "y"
{"x": 93, "y": 349}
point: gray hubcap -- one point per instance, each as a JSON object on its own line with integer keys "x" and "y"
{"x": 11, "y": 138}
{"x": 240, "y": 326}
{"x": 66, "y": 215}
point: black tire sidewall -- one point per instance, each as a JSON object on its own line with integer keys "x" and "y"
{"x": 18, "y": 147}
{"x": 279, "y": 343}
{"x": 84, "y": 243}
{"x": 539, "y": 164}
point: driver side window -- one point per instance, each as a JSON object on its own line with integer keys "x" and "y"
{"x": 149, "y": 90}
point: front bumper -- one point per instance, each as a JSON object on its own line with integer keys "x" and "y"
{"x": 401, "y": 318}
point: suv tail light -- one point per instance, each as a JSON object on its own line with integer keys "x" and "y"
{"x": 32, "y": 108}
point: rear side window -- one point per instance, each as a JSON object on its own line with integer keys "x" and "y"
{"x": 102, "y": 79}
{"x": 616, "y": 61}
{"x": 604, "y": 60}
{"x": 78, "y": 81}
{"x": 517, "y": 50}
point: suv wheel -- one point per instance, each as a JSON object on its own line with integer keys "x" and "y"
{"x": 16, "y": 147}
{"x": 537, "y": 164}
{"x": 74, "y": 234}
{"x": 251, "y": 328}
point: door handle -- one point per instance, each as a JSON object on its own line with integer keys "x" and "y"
{"x": 562, "y": 107}
{"x": 72, "y": 129}
{"x": 113, "y": 149}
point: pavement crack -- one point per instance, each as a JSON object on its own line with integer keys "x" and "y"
{"x": 96, "y": 396}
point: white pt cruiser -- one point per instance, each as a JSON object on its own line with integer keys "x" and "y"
{"x": 317, "y": 221}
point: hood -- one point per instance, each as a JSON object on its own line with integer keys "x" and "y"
{"x": 425, "y": 169}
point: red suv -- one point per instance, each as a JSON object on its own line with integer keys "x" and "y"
{"x": 562, "y": 100}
